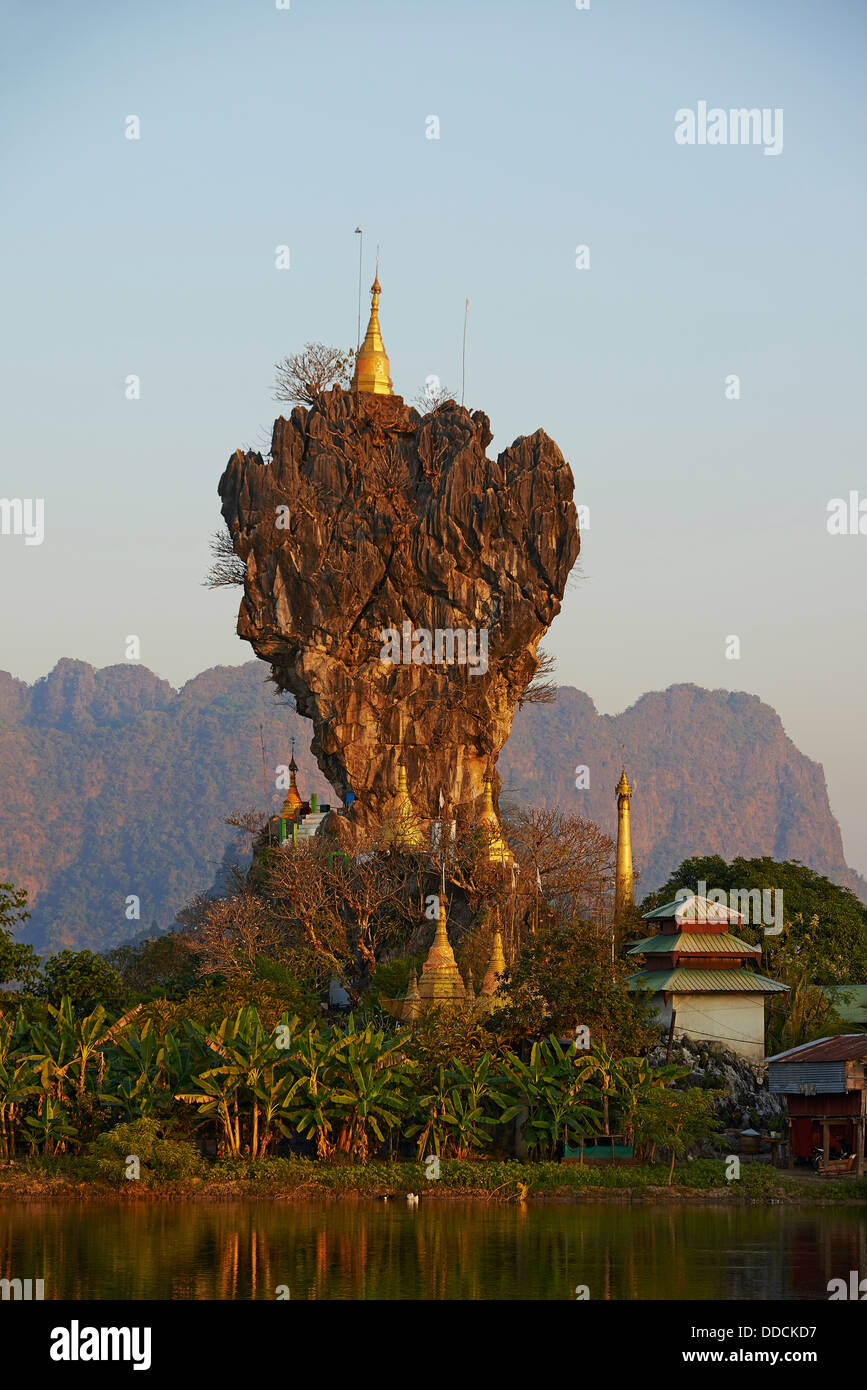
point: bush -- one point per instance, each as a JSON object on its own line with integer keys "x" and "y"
{"x": 160, "y": 1159}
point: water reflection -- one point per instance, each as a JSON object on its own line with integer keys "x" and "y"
{"x": 438, "y": 1250}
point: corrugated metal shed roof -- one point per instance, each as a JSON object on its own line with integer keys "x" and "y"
{"x": 699, "y": 943}
{"x": 844, "y": 1048}
{"x": 684, "y": 981}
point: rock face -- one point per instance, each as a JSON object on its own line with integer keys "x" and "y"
{"x": 746, "y": 1102}
{"x": 370, "y": 519}
{"x": 712, "y": 769}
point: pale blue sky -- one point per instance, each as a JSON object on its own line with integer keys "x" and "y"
{"x": 261, "y": 127}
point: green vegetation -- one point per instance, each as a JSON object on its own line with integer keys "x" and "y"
{"x": 211, "y": 1044}
{"x": 344, "y": 1092}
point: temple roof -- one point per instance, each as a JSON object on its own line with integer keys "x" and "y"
{"x": 695, "y": 910}
{"x": 695, "y": 943}
{"x": 685, "y": 981}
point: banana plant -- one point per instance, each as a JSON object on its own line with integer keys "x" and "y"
{"x": 368, "y": 1076}
{"x": 49, "y": 1127}
{"x": 553, "y": 1092}
{"x": 17, "y": 1082}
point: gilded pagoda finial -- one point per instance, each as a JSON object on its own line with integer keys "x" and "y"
{"x": 371, "y": 372}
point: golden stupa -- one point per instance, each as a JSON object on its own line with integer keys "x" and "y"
{"x": 498, "y": 850}
{"x": 293, "y": 803}
{"x": 441, "y": 981}
{"x": 371, "y": 372}
{"x": 407, "y": 833}
{"x": 496, "y": 967}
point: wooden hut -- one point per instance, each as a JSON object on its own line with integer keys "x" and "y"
{"x": 826, "y": 1098}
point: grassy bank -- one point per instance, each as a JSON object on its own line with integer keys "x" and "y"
{"x": 303, "y": 1179}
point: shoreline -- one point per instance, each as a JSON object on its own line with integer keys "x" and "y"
{"x": 29, "y": 1187}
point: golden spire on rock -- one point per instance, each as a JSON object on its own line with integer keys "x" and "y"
{"x": 371, "y": 365}
{"x": 623, "y": 889}
{"x": 407, "y": 834}
{"x": 498, "y": 850}
{"x": 293, "y": 803}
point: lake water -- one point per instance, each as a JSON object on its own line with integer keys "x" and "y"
{"x": 438, "y": 1250}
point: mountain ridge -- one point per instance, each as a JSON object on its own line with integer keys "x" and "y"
{"x": 113, "y": 783}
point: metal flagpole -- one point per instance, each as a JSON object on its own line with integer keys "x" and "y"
{"x": 359, "y": 233}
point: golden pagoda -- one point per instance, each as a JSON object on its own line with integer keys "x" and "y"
{"x": 498, "y": 850}
{"x": 407, "y": 834}
{"x": 371, "y": 372}
{"x": 292, "y": 805}
{"x": 623, "y": 886}
{"x": 496, "y": 968}
{"x": 441, "y": 981}
{"x": 411, "y": 1011}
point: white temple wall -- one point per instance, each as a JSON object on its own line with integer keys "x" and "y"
{"x": 735, "y": 1021}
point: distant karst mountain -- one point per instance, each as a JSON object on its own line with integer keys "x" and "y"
{"x": 113, "y": 784}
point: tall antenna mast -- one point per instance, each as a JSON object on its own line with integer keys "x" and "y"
{"x": 464, "y": 349}
{"x": 360, "y": 234}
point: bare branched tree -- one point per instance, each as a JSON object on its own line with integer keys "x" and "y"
{"x": 431, "y": 398}
{"x": 251, "y": 820}
{"x": 542, "y": 690}
{"x": 227, "y": 568}
{"x": 303, "y": 377}
{"x": 230, "y": 934}
{"x": 347, "y": 909}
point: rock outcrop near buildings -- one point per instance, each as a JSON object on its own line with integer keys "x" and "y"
{"x": 370, "y": 518}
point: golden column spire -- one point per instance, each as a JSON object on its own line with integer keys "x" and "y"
{"x": 623, "y": 891}
{"x": 371, "y": 365}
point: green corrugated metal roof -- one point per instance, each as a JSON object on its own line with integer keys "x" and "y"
{"x": 849, "y": 1001}
{"x": 682, "y": 981}
{"x": 703, "y": 943}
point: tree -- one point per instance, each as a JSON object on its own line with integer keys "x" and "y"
{"x": 303, "y": 377}
{"x": 675, "y": 1120}
{"x": 570, "y": 856}
{"x": 564, "y": 977}
{"x": 542, "y": 689}
{"x": 340, "y": 913}
{"x": 230, "y": 934}
{"x": 19, "y": 963}
{"x": 87, "y": 979}
{"x": 227, "y": 569}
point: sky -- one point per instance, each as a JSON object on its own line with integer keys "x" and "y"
{"x": 261, "y": 127}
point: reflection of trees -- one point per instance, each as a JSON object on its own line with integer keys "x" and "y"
{"x": 439, "y": 1250}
